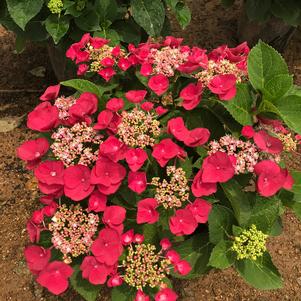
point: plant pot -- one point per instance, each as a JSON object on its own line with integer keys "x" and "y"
{"x": 274, "y": 31}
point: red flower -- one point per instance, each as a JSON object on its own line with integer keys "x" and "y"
{"x": 77, "y": 185}
{"x": 124, "y": 64}
{"x": 33, "y": 230}
{"x": 177, "y": 128}
{"x": 97, "y": 201}
{"x": 196, "y": 137}
{"x": 183, "y": 267}
{"x": 268, "y": 143}
{"x": 135, "y": 158}
{"x": 107, "y": 73}
{"x": 55, "y": 277}
{"x": 37, "y": 258}
{"x": 113, "y": 149}
{"x": 224, "y": 85}
{"x": 56, "y": 190}
{"x": 166, "y": 294}
{"x": 147, "y": 106}
{"x": 94, "y": 271}
{"x": 140, "y": 296}
{"x": 165, "y": 244}
{"x": 32, "y": 151}
{"x": 115, "y": 104}
{"x": 107, "y": 62}
{"x": 271, "y": 178}
{"x": 43, "y": 118}
{"x": 182, "y": 223}
{"x": 137, "y": 181}
{"x": 135, "y": 96}
{"x": 147, "y": 211}
{"x": 160, "y": 110}
{"x": 166, "y": 150}
{"x": 50, "y": 209}
{"x": 146, "y": 69}
{"x": 200, "y": 210}
{"x": 50, "y": 172}
{"x": 172, "y": 41}
{"x": 127, "y": 237}
{"x": 107, "y": 247}
{"x": 158, "y": 84}
{"x": 217, "y": 168}
{"x": 191, "y": 95}
{"x": 108, "y": 175}
{"x": 114, "y": 280}
{"x": 248, "y": 131}
{"x": 51, "y": 93}
{"x": 82, "y": 69}
{"x": 173, "y": 256}
{"x": 113, "y": 217}
{"x": 104, "y": 119}
{"x": 85, "y": 106}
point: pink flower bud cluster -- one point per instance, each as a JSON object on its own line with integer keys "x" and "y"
{"x": 64, "y": 104}
{"x": 78, "y": 144}
{"x": 72, "y": 231}
{"x": 246, "y": 154}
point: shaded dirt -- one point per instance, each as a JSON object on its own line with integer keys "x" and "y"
{"x": 211, "y": 26}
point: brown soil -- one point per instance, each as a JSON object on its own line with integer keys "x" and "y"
{"x": 212, "y": 25}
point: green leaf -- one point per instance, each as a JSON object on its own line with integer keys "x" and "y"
{"x": 221, "y": 256}
{"x": 268, "y": 72}
{"x": 87, "y": 290}
{"x": 288, "y": 10}
{"x": 240, "y": 201}
{"x": 88, "y": 21}
{"x": 57, "y": 26}
{"x": 262, "y": 274}
{"x": 20, "y": 43}
{"x": 123, "y": 293}
{"x": 149, "y": 14}
{"x": 220, "y": 222}
{"x": 106, "y": 9}
{"x": 227, "y": 3}
{"x": 181, "y": 11}
{"x": 150, "y": 232}
{"x": 258, "y": 10}
{"x": 22, "y": 11}
{"x": 128, "y": 30}
{"x": 196, "y": 250}
{"x": 240, "y": 107}
{"x": 187, "y": 166}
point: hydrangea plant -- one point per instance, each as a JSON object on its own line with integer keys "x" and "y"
{"x": 165, "y": 161}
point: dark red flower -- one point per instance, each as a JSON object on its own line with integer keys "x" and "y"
{"x": 160, "y": 110}
{"x": 43, "y": 118}
{"x": 115, "y": 104}
{"x": 113, "y": 217}
{"x": 177, "y": 128}
{"x": 191, "y": 95}
{"x": 55, "y": 277}
{"x": 135, "y": 96}
{"x": 200, "y": 210}
{"x": 158, "y": 84}
{"x": 268, "y": 143}
{"x": 147, "y": 106}
{"x": 50, "y": 172}
{"x": 113, "y": 149}
{"x": 104, "y": 119}
{"x": 36, "y": 258}
{"x": 51, "y": 93}
{"x": 224, "y": 85}
{"x": 107, "y": 247}
{"x": 137, "y": 181}
{"x": 34, "y": 231}
{"x": 182, "y": 223}
{"x": 124, "y": 64}
{"x": 146, "y": 212}
{"x": 135, "y": 158}
{"x": 77, "y": 185}
{"x": 97, "y": 201}
{"x": 196, "y": 137}
{"x": 107, "y": 73}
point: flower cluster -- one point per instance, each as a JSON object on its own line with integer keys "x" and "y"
{"x": 143, "y": 160}
{"x": 250, "y": 244}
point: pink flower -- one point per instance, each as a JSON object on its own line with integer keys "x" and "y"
{"x": 166, "y": 294}
{"x": 85, "y": 106}
{"x": 191, "y": 95}
{"x": 37, "y": 258}
{"x": 107, "y": 73}
{"x": 147, "y": 211}
{"x": 32, "y": 151}
{"x": 173, "y": 256}
{"x": 166, "y": 150}
{"x": 50, "y": 209}
{"x": 33, "y": 231}
{"x": 217, "y": 168}
{"x": 107, "y": 62}
{"x": 77, "y": 185}
{"x": 135, "y": 158}
{"x": 97, "y": 201}
{"x": 183, "y": 267}
{"x": 172, "y": 41}
{"x": 268, "y": 143}
{"x": 50, "y": 172}
{"x": 113, "y": 149}
{"x": 140, "y": 296}
{"x": 51, "y": 93}
{"x": 146, "y": 69}
{"x": 135, "y": 96}
{"x": 200, "y": 210}
{"x": 37, "y": 217}
{"x": 82, "y": 69}
{"x": 124, "y": 64}
{"x": 56, "y": 190}
{"x": 158, "y": 84}
{"x": 137, "y": 181}
{"x": 43, "y": 118}
{"x": 139, "y": 238}
{"x": 196, "y": 137}
{"x": 271, "y": 178}
{"x": 147, "y": 106}
{"x": 165, "y": 244}
{"x": 108, "y": 175}
{"x": 127, "y": 237}
{"x": 113, "y": 217}
{"x": 104, "y": 119}
{"x": 107, "y": 247}
{"x": 182, "y": 223}
{"x": 115, "y": 280}
{"x": 160, "y": 110}
{"x": 177, "y": 128}
{"x": 55, "y": 277}
{"x": 94, "y": 271}
{"x": 115, "y": 104}
{"x": 224, "y": 85}
{"x": 248, "y": 131}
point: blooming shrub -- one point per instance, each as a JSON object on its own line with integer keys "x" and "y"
{"x": 168, "y": 161}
